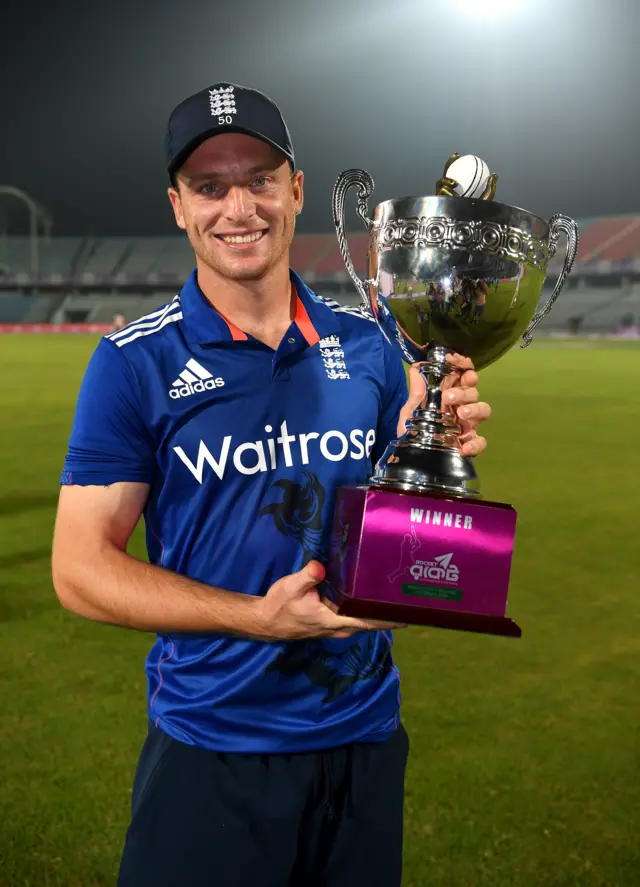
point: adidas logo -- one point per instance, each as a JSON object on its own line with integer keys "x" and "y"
{"x": 193, "y": 380}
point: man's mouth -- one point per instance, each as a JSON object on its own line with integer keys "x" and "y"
{"x": 240, "y": 239}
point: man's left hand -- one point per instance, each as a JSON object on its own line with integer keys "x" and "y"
{"x": 459, "y": 395}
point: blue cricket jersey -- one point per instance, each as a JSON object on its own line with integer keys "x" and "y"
{"x": 244, "y": 448}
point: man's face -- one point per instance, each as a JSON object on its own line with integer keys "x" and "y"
{"x": 237, "y": 201}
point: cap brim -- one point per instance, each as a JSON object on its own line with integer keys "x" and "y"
{"x": 180, "y": 158}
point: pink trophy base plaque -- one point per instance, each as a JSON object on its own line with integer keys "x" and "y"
{"x": 422, "y": 559}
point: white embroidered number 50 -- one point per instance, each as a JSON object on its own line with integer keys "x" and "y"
{"x": 226, "y": 119}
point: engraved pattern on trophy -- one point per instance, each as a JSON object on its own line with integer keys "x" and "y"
{"x": 449, "y": 234}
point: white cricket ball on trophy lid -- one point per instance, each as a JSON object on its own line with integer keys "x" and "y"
{"x": 471, "y": 173}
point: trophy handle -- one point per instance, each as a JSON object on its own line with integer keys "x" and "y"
{"x": 557, "y": 224}
{"x": 348, "y": 179}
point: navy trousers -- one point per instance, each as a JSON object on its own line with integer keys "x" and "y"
{"x": 321, "y": 819}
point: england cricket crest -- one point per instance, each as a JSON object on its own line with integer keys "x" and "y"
{"x": 332, "y": 355}
{"x": 222, "y": 103}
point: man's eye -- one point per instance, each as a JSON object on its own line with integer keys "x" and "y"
{"x": 259, "y": 182}
{"x": 209, "y": 189}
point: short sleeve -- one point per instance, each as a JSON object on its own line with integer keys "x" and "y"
{"x": 109, "y": 439}
{"x": 394, "y": 397}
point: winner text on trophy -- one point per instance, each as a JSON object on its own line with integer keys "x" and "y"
{"x": 453, "y": 273}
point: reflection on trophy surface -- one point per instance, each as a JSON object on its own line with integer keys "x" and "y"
{"x": 456, "y": 272}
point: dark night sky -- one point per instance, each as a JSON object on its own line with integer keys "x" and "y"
{"x": 547, "y": 94}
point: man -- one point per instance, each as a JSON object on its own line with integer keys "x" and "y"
{"x": 275, "y": 754}
{"x": 118, "y": 322}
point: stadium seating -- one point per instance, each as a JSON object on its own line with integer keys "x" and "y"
{"x": 13, "y": 307}
{"x": 61, "y": 256}
{"x": 174, "y": 260}
{"x": 140, "y": 257}
{"x": 94, "y": 278}
{"x": 625, "y": 246}
{"x": 56, "y": 256}
{"x": 101, "y": 307}
{"x": 117, "y": 258}
{"x": 596, "y": 307}
{"x": 105, "y": 258}
{"x": 331, "y": 263}
{"x": 610, "y": 316}
{"x": 20, "y": 308}
{"x": 131, "y": 308}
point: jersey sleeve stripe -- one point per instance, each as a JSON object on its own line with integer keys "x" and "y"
{"x": 146, "y": 332}
{"x": 149, "y": 326}
{"x": 145, "y": 322}
{"x": 342, "y": 309}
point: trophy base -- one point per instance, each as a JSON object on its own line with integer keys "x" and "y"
{"x": 422, "y": 559}
{"x": 406, "y": 614}
{"x": 426, "y": 461}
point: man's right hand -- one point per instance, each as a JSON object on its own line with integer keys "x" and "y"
{"x": 293, "y": 609}
{"x": 95, "y": 577}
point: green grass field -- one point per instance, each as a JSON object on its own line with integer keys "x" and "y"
{"x": 525, "y": 758}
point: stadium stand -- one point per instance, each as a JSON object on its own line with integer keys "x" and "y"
{"x": 13, "y": 307}
{"x": 626, "y": 245}
{"x": 602, "y": 234}
{"x": 105, "y": 258}
{"x": 92, "y": 279}
{"x": 174, "y": 260}
{"x": 330, "y": 262}
{"x": 140, "y": 257}
{"x": 20, "y": 308}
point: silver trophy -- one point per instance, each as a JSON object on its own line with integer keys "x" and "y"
{"x": 448, "y": 274}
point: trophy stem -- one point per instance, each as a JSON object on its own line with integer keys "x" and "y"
{"x": 431, "y": 424}
{"x": 427, "y": 456}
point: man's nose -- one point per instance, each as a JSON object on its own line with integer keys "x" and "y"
{"x": 239, "y": 204}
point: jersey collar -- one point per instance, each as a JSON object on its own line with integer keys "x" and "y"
{"x": 204, "y": 325}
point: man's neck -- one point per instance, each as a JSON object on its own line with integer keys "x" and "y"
{"x": 262, "y": 308}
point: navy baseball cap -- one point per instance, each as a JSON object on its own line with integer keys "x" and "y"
{"x": 224, "y": 107}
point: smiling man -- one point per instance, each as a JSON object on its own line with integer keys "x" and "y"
{"x": 228, "y": 418}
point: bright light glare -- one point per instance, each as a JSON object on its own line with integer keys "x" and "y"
{"x": 494, "y": 8}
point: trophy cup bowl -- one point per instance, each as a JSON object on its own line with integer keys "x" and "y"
{"x": 445, "y": 275}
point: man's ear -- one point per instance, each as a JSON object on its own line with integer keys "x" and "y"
{"x": 176, "y": 203}
{"x": 297, "y": 183}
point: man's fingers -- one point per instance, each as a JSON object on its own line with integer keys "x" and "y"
{"x": 465, "y": 375}
{"x": 345, "y": 626}
{"x": 469, "y": 379}
{"x": 474, "y": 446}
{"x": 458, "y": 380}
{"x": 450, "y": 381}
{"x": 377, "y": 625}
{"x": 461, "y": 396}
{"x": 354, "y": 625}
{"x": 351, "y": 625}
{"x": 460, "y": 362}
{"x": 473, "y": 414}
{"x": 305, "y": 579}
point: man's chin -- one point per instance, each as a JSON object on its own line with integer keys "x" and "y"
{"x": 242, "y": 269}
{"x": 257, "y": 272}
